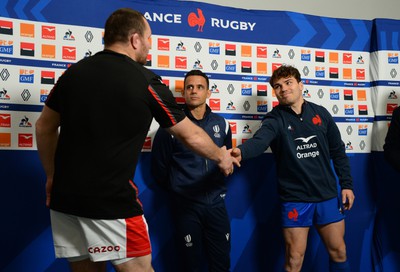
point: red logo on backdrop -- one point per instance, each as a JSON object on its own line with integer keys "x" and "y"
{"x": 317, "y": 120}
{"x": 6, "y": 27}
{"x": 261, "y": 90}
{"x": 148, "y": 60}
{"x": 333, "y": 72}
{"x": 147, "y": 143}
{"x": 230, "y": 49}
{"x": 246, "y": 66}
{"x": 5, "y": 120}
{"x": 362, "y": 109}
{"x": 197, "y": 20}
{"x": 360, "y": 74}
{"x": 48, "y": 32}
{"x": 261, "y": 51}
{"x": 180, "y": 100}
{"x": 293, "y": 214}
{"x": 319, "y": 56}
{"x": 276, "y": 66}
{"x": 233, "y": 126}
{"x": 348, "y": 94}
{"x": 27, "y": 49}
{"x": 390, "y": 108}
{"x": 163, "y": 44}
{"x": 165, "y": 81}
{"x": 25, "y": 140}
{"x": 180, "y": 62}
{"x": 215, "y": 104}
{"x": 347, "y": 58}
{"x": 69, "y": 52}
{"x": 47, "y": 77}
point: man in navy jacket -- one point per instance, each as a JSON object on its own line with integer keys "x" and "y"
{"x": 196, "y": 185}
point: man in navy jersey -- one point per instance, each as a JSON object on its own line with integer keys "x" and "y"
{"x": 89, "y": 137}
{"x": 304, "y": 139}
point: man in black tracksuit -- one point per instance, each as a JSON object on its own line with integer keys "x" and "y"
{"x": 195, "y": 184}
{"x": 304, "y": 139}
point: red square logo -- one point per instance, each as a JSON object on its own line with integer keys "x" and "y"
{"x": 180, "y": 62}
{"x": 347, "y": 58}
{"x": 233, "y": 126}
{"x": 163, "y": 44}
{"x": 25, "y": 140}
{"x": 319, "y": 56}
{"x": 48, "y": 32}
{"x": 230, "y": 49}
{"x": 215, "y": 104}
{"x": 5, "y": 120}
{"x": 47, "y": 77}
{"x": 165, "y": 81}
{"x": 27, "y": 49}
{"x": 276, "y": 66}
{"x": 180, "y": 100}
{"x": 261, "y": 52}
{"x": 6, "y": 27}
{"x": 360, "y": 74}
{"x": 390, "y": 108}
{"x": 69, "y": 53}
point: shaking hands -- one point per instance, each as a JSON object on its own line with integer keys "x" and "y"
{"x": 229, "y": 159}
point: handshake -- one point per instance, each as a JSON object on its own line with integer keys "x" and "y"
{"x": 228, "y": 159}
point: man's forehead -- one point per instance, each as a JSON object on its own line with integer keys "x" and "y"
{"x": 196, "y": 79}
{"x": 284, "y": 78}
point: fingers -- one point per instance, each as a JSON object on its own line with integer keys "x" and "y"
{"x": 348, "y": 199}
{"x": 229, "y": 162}
{"x": 235, "y": 152}
{"x": 236, "y": 155}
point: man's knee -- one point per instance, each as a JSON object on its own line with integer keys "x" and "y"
{"x": 338, "y": 254}
{"x": 134, "y": 264}
{"x": 294, "y": 261}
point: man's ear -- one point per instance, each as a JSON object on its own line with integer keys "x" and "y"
{"x": 135, "y": 40}
{"x": 208, "y": 93}
{"x": 301, "y": 85}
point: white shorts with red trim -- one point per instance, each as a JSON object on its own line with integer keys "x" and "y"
{"x": 100, "y": 240}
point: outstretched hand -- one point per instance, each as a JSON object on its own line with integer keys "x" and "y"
{"x": 228, "y": 162}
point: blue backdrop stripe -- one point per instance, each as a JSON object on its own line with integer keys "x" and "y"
{"x": 305, "y": 29}
{"x": 362, "y": 37}
{"x": 19, "y": 9}
{"x": 38, "y": 8}
{"x": 337, "y": 34}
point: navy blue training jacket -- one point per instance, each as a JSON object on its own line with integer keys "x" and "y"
{"x": 186, "y": 174}
{"x": 304, "y": 147}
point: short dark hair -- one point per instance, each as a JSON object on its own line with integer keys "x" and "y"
{"x": 284, "y": 71}
{"x": 196, "y": 73}
{"x": 121, "y": 24}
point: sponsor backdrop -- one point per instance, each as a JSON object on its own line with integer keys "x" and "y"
{"x": 349, "y": 66}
